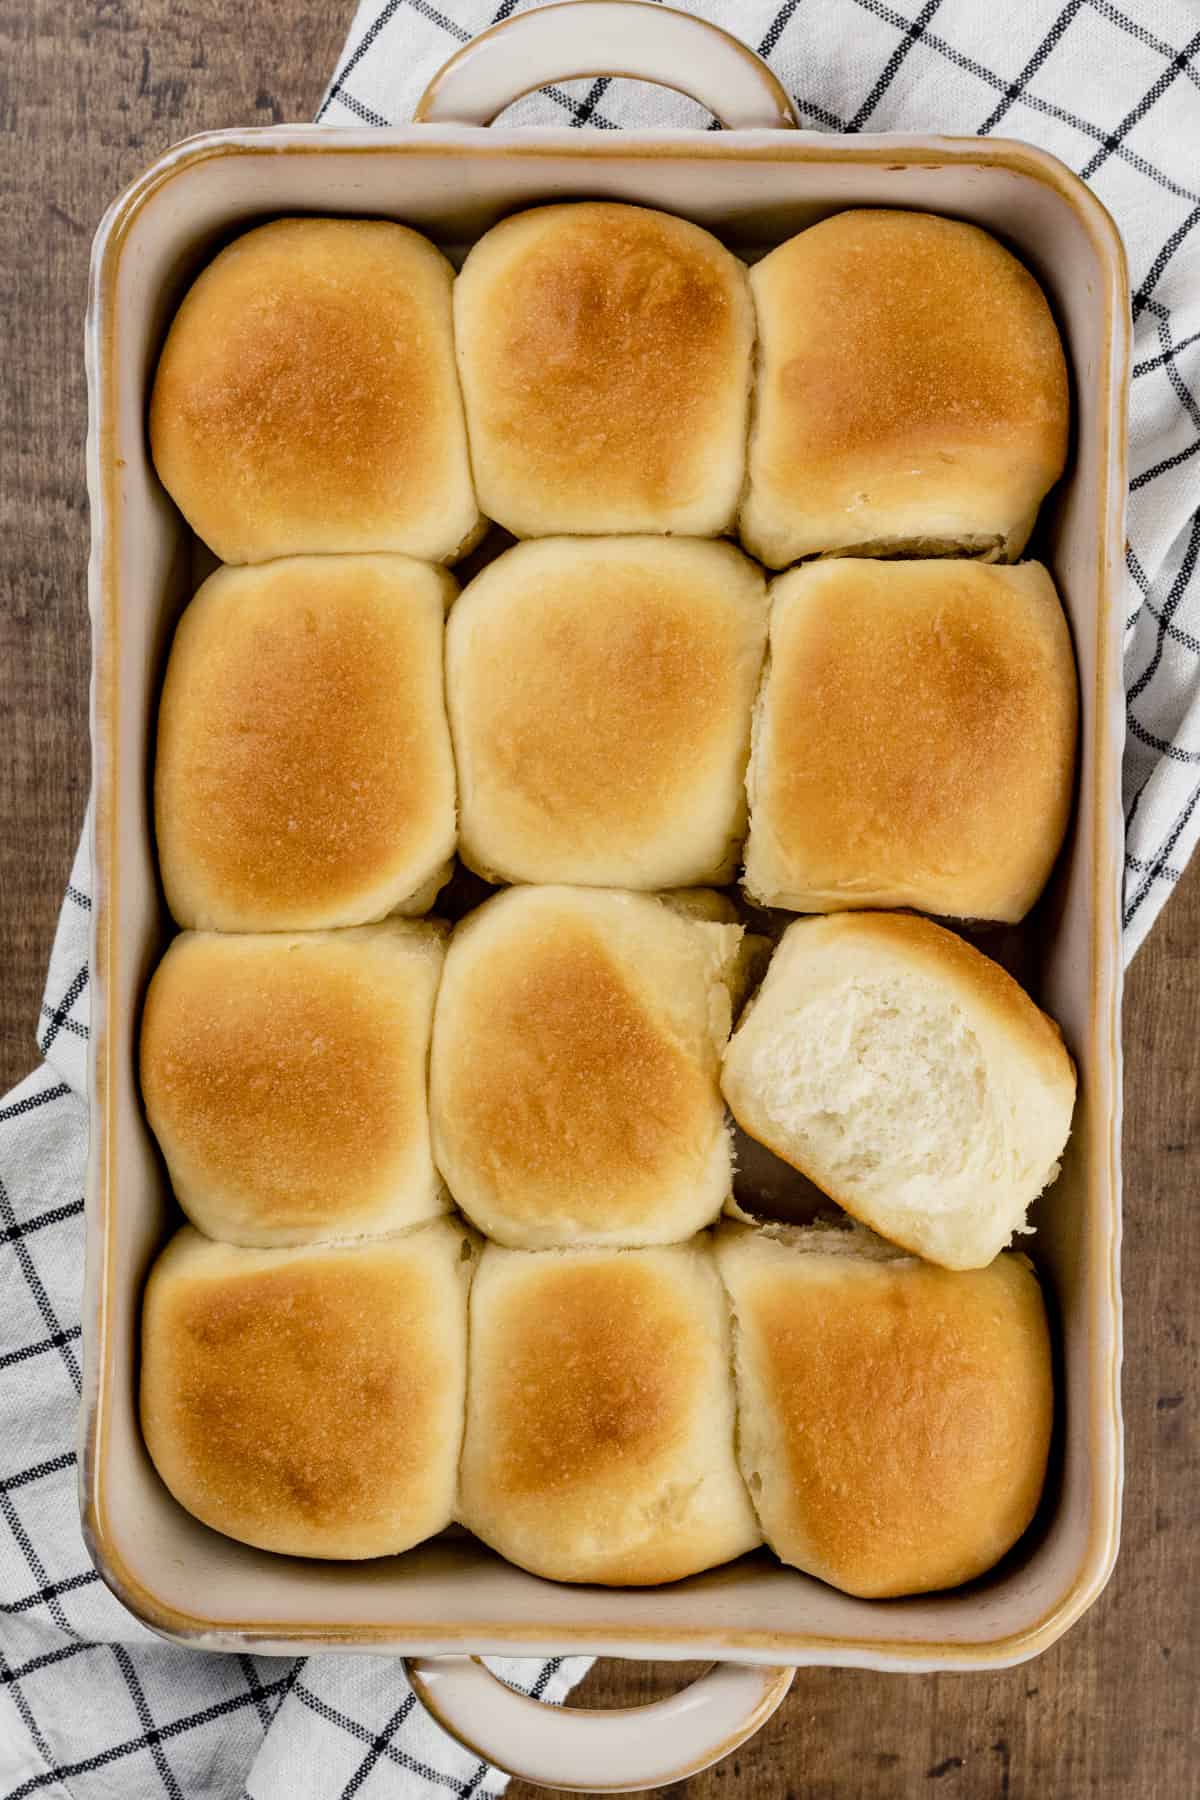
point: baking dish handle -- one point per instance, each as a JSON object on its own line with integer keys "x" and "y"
{"x": 580, "y": 38}
{"x": 618, "y": 1751}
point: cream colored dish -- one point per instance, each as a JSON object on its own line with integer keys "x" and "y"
{"x": 452, "y": 1600}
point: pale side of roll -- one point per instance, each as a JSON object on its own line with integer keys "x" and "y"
{"x": 911, "y": 396}
{"x": 304, "y": 775}
{"x": 605, "y": 356}
{"x": 310, "y": 1401}
{"x": 600, "y": 693}
{"x": 894, "y": 1418}
{"x": 574, "y": 1079}
{"x": 285, "y": 1077}
{"x": 914, "y": 741}
{"x": 306, "y": 399}
{"x": 909, "y": 1077}
{"x": 600, "y": 1415}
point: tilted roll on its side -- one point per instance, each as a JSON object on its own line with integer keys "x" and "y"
{"x": 909, "y": 1076}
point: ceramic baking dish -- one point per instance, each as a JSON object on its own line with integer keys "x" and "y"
{"x": 754, "y": 187}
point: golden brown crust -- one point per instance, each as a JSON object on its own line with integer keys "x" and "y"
{"x": 605, "y": 359}
{"x": 304, "y": 774}
{"x": 285, "y": 1079}
{"x": 600, "y": 695}
{"x": 309, "y": 1401}
{"x": 623, "y": 1083}
{"x": 574, "y": 1068}
{"x": 306, "y": 398}
{"x": 574, "y": 1089}
{"x": 912, "y": 385}
{"x": 916, "y": 739}
{"x": 895, "y": 1417}
{"x": 612, "y": 1367}
{"x": 600, "y": 1434}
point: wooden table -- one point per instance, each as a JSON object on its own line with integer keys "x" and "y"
{"x": 89, "y": 93}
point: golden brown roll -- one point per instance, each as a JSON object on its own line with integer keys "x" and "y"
{"x": 600, "y": 692}
{"x": 600, "y": 1415}
{"x": 605, "y": 360}
{"x": 908, "y": 1076}
{"x": 306, "y": 398}
{"x": 914, "y": 744}
{"x": 574, "y": 1076}
{"x": 893, "y": 1418}
{"x": 310, "y": 1401}
{"x": 911, "y": 395}
{"x": 304, "y": 775}
{"x": 285, "y": 1079}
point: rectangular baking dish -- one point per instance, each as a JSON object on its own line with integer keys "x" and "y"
{"x": 753, "y": 188}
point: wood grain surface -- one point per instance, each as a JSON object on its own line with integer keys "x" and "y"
{"x": 88, "y": 95}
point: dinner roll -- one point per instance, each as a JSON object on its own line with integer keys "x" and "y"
{"x": 600, "y": 692}
{"x": 306, "y": 398}
{"x": 915, "y": 740}
{"x": 600, "y": 1415}
{"x": 574, "y": 1077}
{"x": 304, "y": 775}
{"x": 893, "y": 1418}
{"x": 310, "y": 1401}
{"x": 285, "y": 1080}
{"x": 605, "y": 361}
{"x": 908, "y": 1076}
{"x": 911, "y": 395}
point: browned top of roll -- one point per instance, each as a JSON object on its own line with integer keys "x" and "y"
{"x": 304, "y": 775}
{"x": 916, "y": 742}
{"x": 285, "y": 1075}
{"x": 600, "y": 692}
{"x": 309, "y": 1401}
{"x": 599, "y": 1442}
{"x": 605, "y": 358}
{"x": 573, "y": 1075}
{"x": 928, "y": 308}
{"x": 894, "y": 1417}
{"x": 306, "y": 398}
{"x": 912, "y": 385}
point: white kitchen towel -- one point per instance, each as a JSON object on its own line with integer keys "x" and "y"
{"x": 91, "y": 1704}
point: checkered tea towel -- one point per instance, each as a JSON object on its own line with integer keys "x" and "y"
{"x": 93, "y": 1706}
